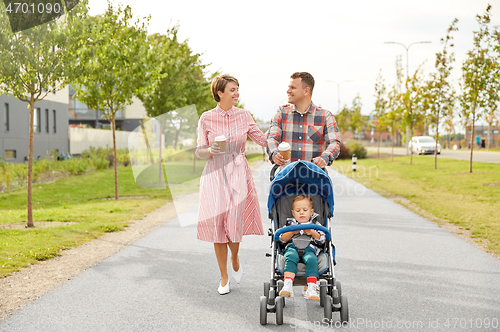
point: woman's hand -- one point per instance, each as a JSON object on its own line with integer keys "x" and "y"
{"x": 214, "y": 148}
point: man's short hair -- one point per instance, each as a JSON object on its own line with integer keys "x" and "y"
{"x": 302, "y": 197}
{"x": 307, "y": 79}
{"x": 219, "y": 84}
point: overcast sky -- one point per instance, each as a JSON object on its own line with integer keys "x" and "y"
{"x": 262, "y": 43}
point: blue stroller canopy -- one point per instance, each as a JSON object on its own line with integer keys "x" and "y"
{"x": 301, "y": 177}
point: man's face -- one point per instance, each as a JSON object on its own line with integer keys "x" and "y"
{"x": 296, "y": 91}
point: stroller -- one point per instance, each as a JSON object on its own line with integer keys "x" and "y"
{"x": 301, "y": 177}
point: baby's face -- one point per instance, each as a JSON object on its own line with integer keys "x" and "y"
{"x": 302, "y": 210}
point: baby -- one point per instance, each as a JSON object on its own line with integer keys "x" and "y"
{"x": 303, "y": 213}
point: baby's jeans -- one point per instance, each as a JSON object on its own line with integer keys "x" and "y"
{"x": 309, "y": 258}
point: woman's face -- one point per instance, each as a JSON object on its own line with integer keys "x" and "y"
{"x": 230, "y": 95}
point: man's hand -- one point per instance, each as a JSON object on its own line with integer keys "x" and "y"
{"x": 279, "y": 160}
{"x": 320, "y": 162}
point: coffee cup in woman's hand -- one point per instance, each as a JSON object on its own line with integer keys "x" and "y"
{"x": 214, "y": 148}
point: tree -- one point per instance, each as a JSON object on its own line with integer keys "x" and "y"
{"x": 356, "y": 122}
{"x": 440, "y": 93}
{"x": 393, "y": 115}
{"x": 183, "y": 83}
{"x": 379, "y": 113}
{"x": 477, "y": 70}
{"x": 34, "y": 63}
{"x": 342, "y": 119}
{"x": 116, "y": 62}
{"x": 413, "y": 102}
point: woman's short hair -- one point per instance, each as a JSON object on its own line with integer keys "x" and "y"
{"x": 302, "y": 197}
{"x": 219, "y": 84}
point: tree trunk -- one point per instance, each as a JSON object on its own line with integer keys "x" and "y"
{"x": 392, "y": 145}
{"x": 472, "y": 135}
{"x": 436, "y": 146}
{"x": 378, "y": 149}
{"x": 114, "y": 155}
{"x": 148, "y": 148}
{"x": 159, "y": 154}
{"x": 489, "y": 137}
{"x": 411, "y": 149}
{"x": 30, "y": 164}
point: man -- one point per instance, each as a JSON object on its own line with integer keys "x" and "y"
{"x": 310, "y": 130}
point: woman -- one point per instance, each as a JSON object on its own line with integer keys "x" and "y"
{"x": 229, "y": 207}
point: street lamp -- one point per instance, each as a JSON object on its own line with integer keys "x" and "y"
{"x": 338, "y": 92}
{"x": 407, "y": 48}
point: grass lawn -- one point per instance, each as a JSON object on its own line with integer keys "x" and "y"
{"x": 451, "y": 193}
{"x": 84, "y": 206}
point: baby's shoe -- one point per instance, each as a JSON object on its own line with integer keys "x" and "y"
{"x": 287, "y": 290}
{"x": 312, "y": 292}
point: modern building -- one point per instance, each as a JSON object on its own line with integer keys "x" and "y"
{"x": 53, "y": 116}
{"x": 50, "y": 127}
{"x": 126, "y": 120}
{"x": 481, "y": 136}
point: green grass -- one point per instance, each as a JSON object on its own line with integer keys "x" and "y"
{"x": 80, "y": 201}
{"x": 450, "y": 193}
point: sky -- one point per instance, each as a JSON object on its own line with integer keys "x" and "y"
{"x": 262, "y": 43}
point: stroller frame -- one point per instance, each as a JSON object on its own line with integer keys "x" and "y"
{"x": 331, "y": 297}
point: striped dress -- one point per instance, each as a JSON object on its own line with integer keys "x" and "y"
{"x": 229, "y": 207}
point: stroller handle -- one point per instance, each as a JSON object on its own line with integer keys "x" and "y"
{"x": 293, "y": 228}
{"x": 275, "y": 167}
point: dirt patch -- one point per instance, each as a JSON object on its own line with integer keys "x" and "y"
{"x": 38, "y": 224}
{"x": 492, "y": 185}
{"x": 119, "y": 198}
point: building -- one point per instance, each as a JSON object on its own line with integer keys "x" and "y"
{"x": 50, "y": 127}
{"x": 126, "y": 120}
{"x": 481, "y": 136}
{"x": 52, "y": 119}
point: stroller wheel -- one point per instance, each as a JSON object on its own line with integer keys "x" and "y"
{"x": 263, "y": 310}
{"x": 280, "y": 284}
{"x": 322, "y": 292}
{"x": 279, "y": 310}
{"x": 267, "y": 286}
{"x": 328, "y": 308}
{"x": 271, "y": 298}
{"x": 339, "y": 287}
{"x": 344, "y": 309}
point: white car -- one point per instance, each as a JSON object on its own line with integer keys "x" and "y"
{"x": 423, "y": 145}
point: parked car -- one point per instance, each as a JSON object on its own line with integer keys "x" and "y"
{"x": 424, "y": 145}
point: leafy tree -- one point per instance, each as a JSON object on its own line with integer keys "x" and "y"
{"x": 413, "y": 102}
{"x": 477, "y": 72}
{"x": 393, "y": 115}
{"x": 440, "y": 93}
{"x": 356, "y": 122}
{"x": 116, "y": 62}
{"x": 34, "y": 63}
{"x": 379, "y": 113}
{"x": 343, "y": 119}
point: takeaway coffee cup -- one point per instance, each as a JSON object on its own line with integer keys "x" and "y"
{"x": 284, "y": 150}
{"x": 221, "y": 142}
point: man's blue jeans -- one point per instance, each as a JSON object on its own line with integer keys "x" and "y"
{"x": 309, "y": 258}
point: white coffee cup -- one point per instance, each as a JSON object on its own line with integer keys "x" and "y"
{"x": 284, "y": 150}
{"x": 221, "y": 142}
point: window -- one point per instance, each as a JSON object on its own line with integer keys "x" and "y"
{"x": 46, "y": 120}
{"x": 6, "y": 116}
{"x": 54, "y": 117}
{"x": 36, "y": 120}
{"x": 10, "y": 154}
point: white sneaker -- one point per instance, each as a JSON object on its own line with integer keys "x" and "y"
{"x": 287, "y": 290}
{"x": 312, "y": 292}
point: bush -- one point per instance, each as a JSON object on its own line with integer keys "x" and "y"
{"x": 498, "y": 142}
{"x": 344, "y": 152}
{"x": 357, "y": 148}
{"x": 463, "y": 144}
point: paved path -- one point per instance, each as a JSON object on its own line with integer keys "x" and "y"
{"x": 477, "y": 155}
{"x": 399, "y": 271}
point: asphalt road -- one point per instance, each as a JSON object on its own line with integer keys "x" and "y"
{"x": 400, "y": 272}
{"x": 477, "y": 155}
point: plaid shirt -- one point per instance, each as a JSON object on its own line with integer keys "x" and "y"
{"x": 310, "y": 135}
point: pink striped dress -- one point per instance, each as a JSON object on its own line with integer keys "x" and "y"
{"x": 229, "y": 207}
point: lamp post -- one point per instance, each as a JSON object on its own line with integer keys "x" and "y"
{"x": 407, "y": 48}
{"x": 338, "y": 92}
